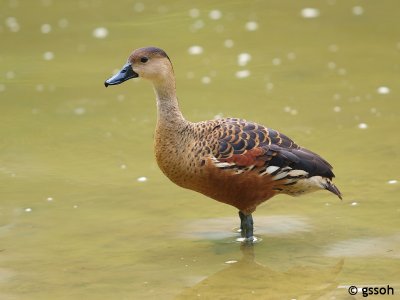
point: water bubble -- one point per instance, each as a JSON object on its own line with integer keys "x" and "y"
{"x": 10, "y": 75}
{"x": 28, "y": 209}
{"x": 357, "y": 10}
{"x": 337, "y": 109}
{"x": 49, "y": 199}
{"x": 100, "y": 32}
{"x": 228, "y": 43}
{"x": 206, "y": 80}
{"x": 383, "y": 90}
{"x": 362, "y": 126}
{"x": 12, "y": 24}
{"x": 197, "y": 25}
{"x": 309, "y": 12}
{"x": 251, "y": 26}
{"x": 342, "y": 71}
{"x": 215, "y": 14}
{"x": 39, "y": 88}
{"x": 218, "y": 116}
{"x": 393, "y": 181}
{"x": 333, "y": 48}
{"x": 331, "y": 65}
{"x": 194, "y": 13}
{"x": 243, "y": 59}
{"x": 45, "y": 28}
{"x": 195, "y": 50}
{"x": 354, "y": 203}
{"x": 80, "y": 111}
{"x": 142, "y": 179}
{"x": 242, "y": 74}
{"x": 291, "y": 55}
{"x": 138, "y": 7}
{"x": 276, "y": 61}
{"x": 48, "y": 55}
{"x": 63, "y": 23}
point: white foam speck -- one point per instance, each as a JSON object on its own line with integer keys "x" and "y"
{"x": 276, "y": 61}
{"x": 45, "y": 28}
{"x": 28, "y": 209}
{"x": 357, "y": 10}
{"x": 342, "y": 71}
{"x": 194, "y": 13}
{"x": 195, "y": 50}
{"x": 251, "y": 26}
{"x": 354, "y": 203}
{"x": 383, "y": 90}
{"x": 198, "y": 24}
{"x": 362, "y": 126}
{"x": 331, "y": 65}
{"x": 215, "y": 14}
{"x": 228, "y": 43}
{"x": 79, "y": 111}
{"x": 100, "y": 32}
{"x": 337, "y": 109}
{"x": 49, "y": 199}
{"x": 270, "y": 86}
{"x": 75, "y": 206}
{"x": 138, "y": 7}
{"x": 206, "y": 80}
{"x": 333, "y": 48}
{"x": 10, "y": 75}
{"x": 12, "y": 24}
{"x": 63, "y": 23}
{"x": 142, "y": 179}
{"x": 48, "y": 55}
{"x": 123, "y": 166}
{"x": 291, "y": 55}
{"x": 393, "y": 181}
{"x": 309, "y": 12}
{"x": 243, "y": 59}
{"x": 243, "y": 74}
{"x": 218, "y": 116}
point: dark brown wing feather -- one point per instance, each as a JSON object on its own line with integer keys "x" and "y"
{"x": 243, "y": 144}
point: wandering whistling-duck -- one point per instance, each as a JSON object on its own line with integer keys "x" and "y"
{"x": 231, "y": 160}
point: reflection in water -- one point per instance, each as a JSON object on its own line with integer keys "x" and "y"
{"x": 219, "y": 228}
{"x": 248, "y": 279}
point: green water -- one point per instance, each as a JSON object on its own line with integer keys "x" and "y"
{"x": 75, "y": 221}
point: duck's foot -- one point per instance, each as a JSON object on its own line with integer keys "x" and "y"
{"x": 246, "y": 228}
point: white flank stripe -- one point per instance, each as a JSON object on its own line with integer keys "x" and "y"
{"x": 271, "y": 169}
{"x": 296, "y": 173}
{"x": 280, "y": 176}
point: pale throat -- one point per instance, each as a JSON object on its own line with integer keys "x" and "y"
{"x": 167, "y": 103}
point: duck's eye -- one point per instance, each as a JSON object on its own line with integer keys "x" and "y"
{"x": 144, "y": 59}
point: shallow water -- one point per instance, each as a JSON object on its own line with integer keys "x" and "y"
{"x": 86, "y": 214}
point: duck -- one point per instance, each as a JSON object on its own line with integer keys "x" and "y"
{"x": 231, "y": 160}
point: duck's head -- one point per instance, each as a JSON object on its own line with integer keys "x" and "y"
{"x": 149, "y": 63}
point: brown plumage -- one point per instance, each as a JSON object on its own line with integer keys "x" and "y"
{"x": 230, "y": 160}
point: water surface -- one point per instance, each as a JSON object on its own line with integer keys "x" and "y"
{"x": 85, "y": 212}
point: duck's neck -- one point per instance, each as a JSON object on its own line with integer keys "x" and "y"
{"x": 168, "y": 112}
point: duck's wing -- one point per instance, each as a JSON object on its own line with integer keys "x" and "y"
{"x": 249, "y": 147}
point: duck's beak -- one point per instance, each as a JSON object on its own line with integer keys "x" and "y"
{"x": 125, "y": 74}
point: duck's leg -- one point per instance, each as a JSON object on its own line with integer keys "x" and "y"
{"x": 246, "y": 226}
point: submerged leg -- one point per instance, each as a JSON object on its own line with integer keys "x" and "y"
{"x": 246, "y": 225}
